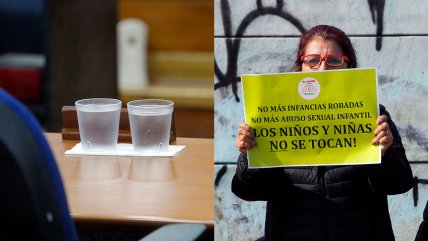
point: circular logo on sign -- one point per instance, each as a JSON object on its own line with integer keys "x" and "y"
{"x": 309, "y": 88}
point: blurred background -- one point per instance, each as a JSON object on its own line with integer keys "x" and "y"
{"x": 55, "y": 52}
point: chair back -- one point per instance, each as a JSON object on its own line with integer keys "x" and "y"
{"x": 32, "y": 200}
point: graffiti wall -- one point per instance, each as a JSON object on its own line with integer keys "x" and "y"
{"x": 261, "y": 36}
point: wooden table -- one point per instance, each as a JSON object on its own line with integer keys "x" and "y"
{"x": 139, "y": 190}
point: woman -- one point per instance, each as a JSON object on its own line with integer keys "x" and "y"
{"x": 327, "y": 202}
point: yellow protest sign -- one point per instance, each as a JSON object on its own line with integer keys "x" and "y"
{"x": 312, "y": 118}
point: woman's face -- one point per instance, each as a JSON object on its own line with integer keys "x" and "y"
{"x": 323, "y": 47}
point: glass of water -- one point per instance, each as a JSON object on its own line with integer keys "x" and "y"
{"x": 150, "y": 122}
{"x": 98, "y": 120}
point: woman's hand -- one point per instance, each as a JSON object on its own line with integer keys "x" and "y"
{"x": 245, "y": 139}
{"x": 383, "y": 135}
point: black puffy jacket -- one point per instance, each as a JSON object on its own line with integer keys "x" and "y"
{"x": 422, "y": 234}
{"x": 328, "y": 203}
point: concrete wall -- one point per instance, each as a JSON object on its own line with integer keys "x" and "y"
{"x": 260, "y": 36}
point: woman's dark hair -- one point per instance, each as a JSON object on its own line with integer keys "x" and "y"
{"x": 326, "y": 32}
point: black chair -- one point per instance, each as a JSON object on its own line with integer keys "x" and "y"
{"x": 32, "y": 201}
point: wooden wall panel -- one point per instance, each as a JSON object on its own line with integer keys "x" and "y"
{"x": 82, "y": 53}
{"x": 174, "y": 25}
{"x": 180, "y": 59}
